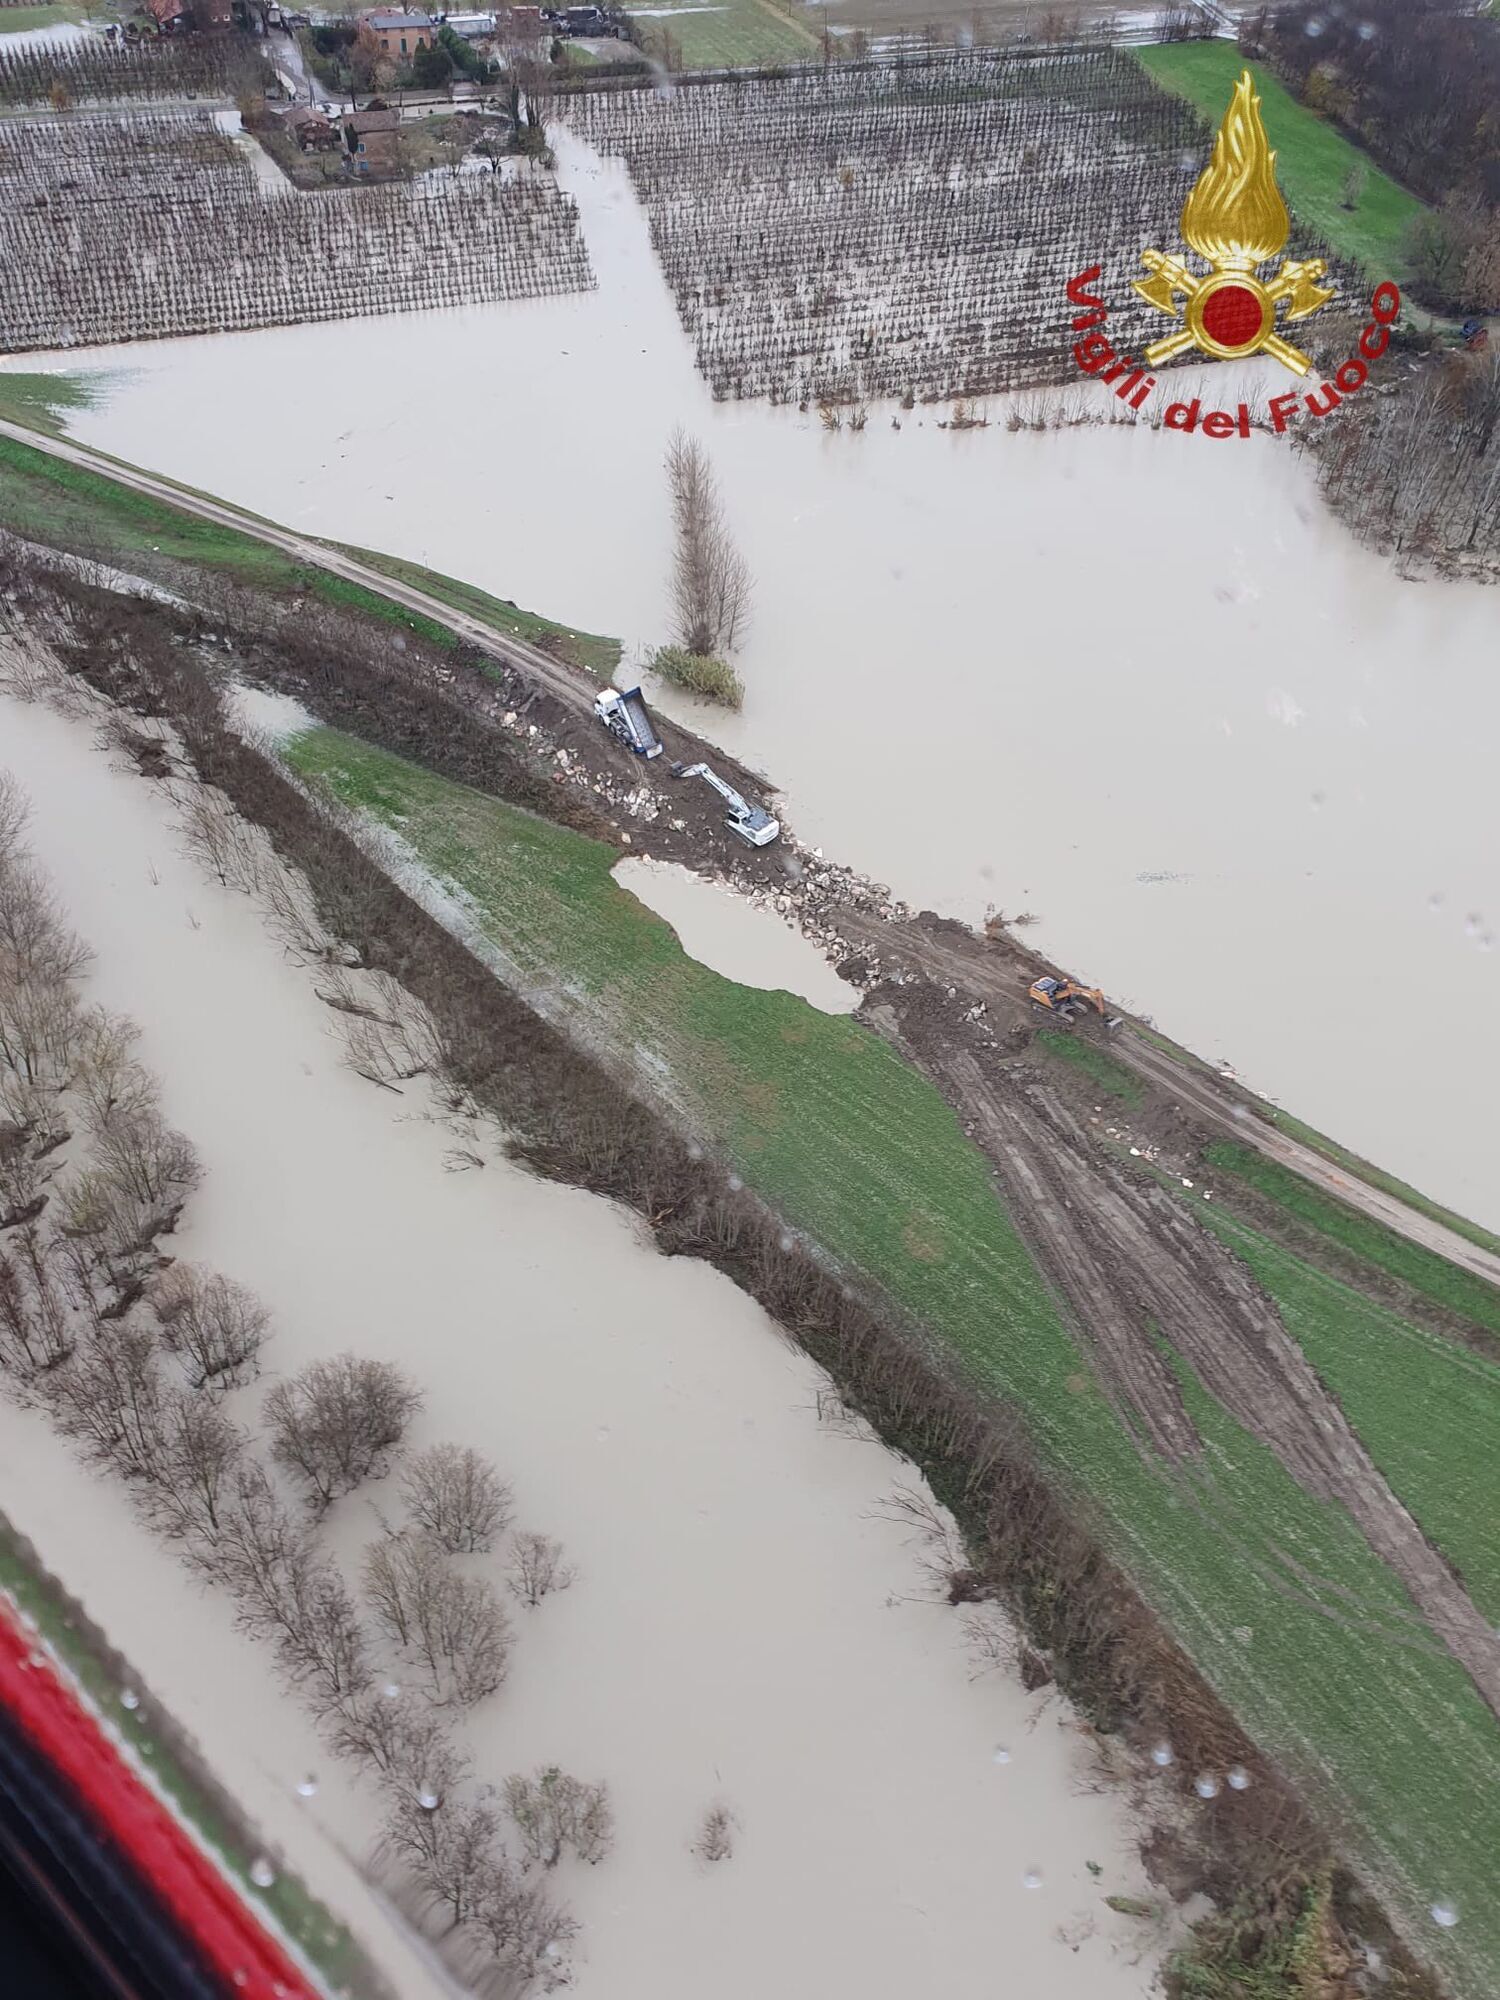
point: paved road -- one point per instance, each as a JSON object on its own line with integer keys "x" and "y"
{"x": 576, "y": 691}
{"x": 571, "y": 687}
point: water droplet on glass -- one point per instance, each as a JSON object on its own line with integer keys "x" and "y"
{"x": 241, "y": 1977}
{"x": 1445, "y": 1915}
{"x": 1366, "y": 30}
{"x": 783, "y": 1242}
{"x": 1206, "y": 1785}
{"x": 130, "y": 1699}
{"x": 1318, "y": 801}
{"x": 1314, "y": 27}
{"x": 36, "y": 1658}
{"x": 428, "y": 1799}
{"x": 391, "y": 1690}
{"x": 735, "y": 1183}
{"x": 1473, "y": 924}
{"x": 1032, "y": 1879}
{"x": 552, "y": 1949}
{"x": 1435, "y": 901}
{"x": 1001, "y": 1755}
{"x": 1239, "y": 1778}
{"x": 262, "y": 1874}
{"x": 1161, "y": 1754}
{"x": 308, "y": 1786}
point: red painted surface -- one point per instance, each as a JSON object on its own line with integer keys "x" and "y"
{"x": 208, "y": 1910}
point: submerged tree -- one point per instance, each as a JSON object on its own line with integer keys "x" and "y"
{"x": 710, "y": 580}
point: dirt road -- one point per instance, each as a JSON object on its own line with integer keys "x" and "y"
{"x": 994, "y": 972}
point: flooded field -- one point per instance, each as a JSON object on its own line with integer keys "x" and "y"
{"x": 748, "y": 1625}
{"x": 1138, "y": 685}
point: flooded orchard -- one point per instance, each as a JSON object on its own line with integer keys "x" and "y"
{"x": 1139, "y": 686}
{"x": 749, "y": 1626}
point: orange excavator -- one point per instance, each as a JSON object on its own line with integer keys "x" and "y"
{"x": 1066, "y": 999}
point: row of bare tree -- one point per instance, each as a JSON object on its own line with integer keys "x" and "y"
{"x": 133, "y": 1356}
{"x": 1416, "y": 470}
{"x": 128, "y": 228}
{"x": 903, "y": 230}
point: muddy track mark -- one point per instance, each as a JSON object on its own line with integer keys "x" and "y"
{"x": 1136, "y": 1269}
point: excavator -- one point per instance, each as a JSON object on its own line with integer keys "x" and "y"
{"x": 754, "y": 825}
{"x": 1066, "y": 999}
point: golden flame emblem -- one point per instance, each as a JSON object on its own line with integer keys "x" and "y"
{"x": 1236, "y": 220}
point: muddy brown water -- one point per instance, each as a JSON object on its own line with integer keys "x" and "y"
{"x": 1140, "y": 685}
{"x": 748, "y": 1624}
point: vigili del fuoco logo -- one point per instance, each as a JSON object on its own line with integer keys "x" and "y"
{"x": 1236, "y": 221}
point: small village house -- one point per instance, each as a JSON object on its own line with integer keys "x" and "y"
{"x": 373, "y": 138}
{"x": 399, "y": 33}
{"x": 312, "y": 131}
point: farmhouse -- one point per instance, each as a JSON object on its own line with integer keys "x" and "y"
{"x": 373, "y": 138}
{"x": 398, "y": 32}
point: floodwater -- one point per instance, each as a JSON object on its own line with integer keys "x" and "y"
{"x": 1139, "y": 684}
{"x": 747, "y": 1627}
{"x": 734, "y": 936}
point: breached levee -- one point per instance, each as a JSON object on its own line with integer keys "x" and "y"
{"x": 746, "y": 1628}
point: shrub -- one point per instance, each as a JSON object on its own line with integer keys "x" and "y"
{"x": 700, "y": 673}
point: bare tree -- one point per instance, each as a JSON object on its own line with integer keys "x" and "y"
{"x": 451, "y": 1849}
{"x": 155, "y": 1167}
{"x": 322, "y": 1644}
{"x": 452, "y": 1624}
{"x": 192, "y": 1481}
{"x": 109, "y": 1079}
{"x": 520, "y": 1923}
{"x": 333, "y": 1424}
{"x": 404, "y": 1738}
{"x": 256, "y": 1550}
{"x": 536, "y": 1567}
{"x": 715, "y": 1839}
{"x": 35, "y": 1334}
{"x": 553, "y": 1812}
{"x": 459, "y": 1500}
{"x": 710, "y": 581}
{"x": 108, "y": 1396}
{"x": 217, "y": 1326}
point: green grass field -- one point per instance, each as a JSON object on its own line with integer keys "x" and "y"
{"x": 1277, "y": 1596}
{"x": 731, "y": 35}
{"x": 1110, "y": 1075}
{"x": 43, "y": 402}
{"x": 1429, "y": 1275}
{"x": 15, "y": 20}
{"x": 70, "y": 507}
{"x": 1313, "y": 161}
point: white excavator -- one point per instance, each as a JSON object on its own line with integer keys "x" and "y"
{"x": 753, "y": 824}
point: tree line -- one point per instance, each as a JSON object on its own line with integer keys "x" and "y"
{"x": 1417, "y": 81}
{"x": 136, "y": 1358}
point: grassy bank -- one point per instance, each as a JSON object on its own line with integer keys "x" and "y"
{"x": 1283, "y": 1605}
{"x": 73, "y": 507}
{"x": 1313, "y": 160}
{"x": 1431, "y": 1276}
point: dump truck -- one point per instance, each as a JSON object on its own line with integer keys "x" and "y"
{"x": 753, "y": 824}
{"x": 1066, "y": 999}
{"x": 624, "y": 714}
